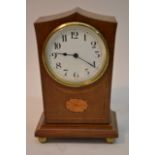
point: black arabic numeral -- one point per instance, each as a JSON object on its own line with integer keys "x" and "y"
{"x": 75, "y": 75}
{"x": 98, "y": 53}
{"x": 94, "y": 64}
{"x": 64, "y": 37}
{"x": 87, "y": 71}
{"x": 93, "y": 44}
{"x": 66, "y": 71}
{"x": 57, "y": 46}
{"x": 54, "y": 55}
{"x": 74, "y": 35}
{"x": 58, "y": 65}
{"x": 85, "y": 38}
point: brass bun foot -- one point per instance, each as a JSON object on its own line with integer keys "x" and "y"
{"x": 42, "y": 139}
{"x": 110, "y": 140}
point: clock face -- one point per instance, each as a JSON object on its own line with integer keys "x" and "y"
{"x": 75, "y": 54}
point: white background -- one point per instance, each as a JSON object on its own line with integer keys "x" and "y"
{"x": 13, "y": 86}
{"x": 119, "y": 101}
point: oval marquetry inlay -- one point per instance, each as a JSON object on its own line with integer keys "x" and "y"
{"x": 76, "y": 105}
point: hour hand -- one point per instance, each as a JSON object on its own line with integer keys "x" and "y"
{"x": 54, "y": 54}
{"x": 58, "y": 53}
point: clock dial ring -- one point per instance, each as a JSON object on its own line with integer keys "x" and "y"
{"x": 75, "y": 55}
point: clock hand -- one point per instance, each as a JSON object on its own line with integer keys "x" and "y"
{"x": 64, "y": 54}
{"x": 93, "y": 65}
{"x": 75, "y": 55}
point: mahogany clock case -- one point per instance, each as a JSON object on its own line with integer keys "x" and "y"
{"x": 97, "y": 95}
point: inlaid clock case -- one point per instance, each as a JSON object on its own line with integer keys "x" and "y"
{"x": 97, "y": 121}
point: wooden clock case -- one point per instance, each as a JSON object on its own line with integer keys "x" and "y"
{"x": 97, "y": 121}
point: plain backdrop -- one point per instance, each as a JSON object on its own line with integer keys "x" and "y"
{"x": 119, "y": 98}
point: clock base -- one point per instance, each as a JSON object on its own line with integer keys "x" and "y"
{"x": 68, "y": 130}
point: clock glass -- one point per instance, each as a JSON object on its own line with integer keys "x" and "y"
{"x": 75, "y": 54}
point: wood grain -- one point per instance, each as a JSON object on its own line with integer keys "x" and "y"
{"x": 74, "y": 130}
{"x": 97, "y": 94}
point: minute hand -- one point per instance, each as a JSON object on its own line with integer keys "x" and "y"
{"x": 93, "y": 65}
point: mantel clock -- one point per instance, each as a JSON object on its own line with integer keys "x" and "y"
{"x": 76, "y": 52}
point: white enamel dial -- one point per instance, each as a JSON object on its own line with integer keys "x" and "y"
{"x": 75, "y": 54}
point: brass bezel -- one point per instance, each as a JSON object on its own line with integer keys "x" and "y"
{"x": 75, "y": 84}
